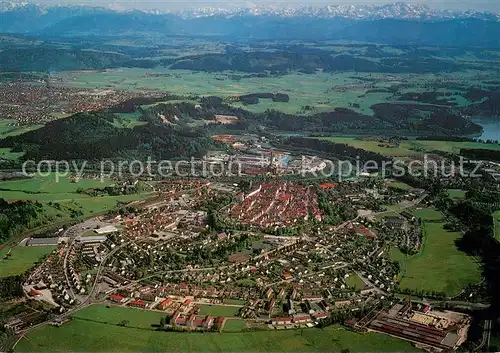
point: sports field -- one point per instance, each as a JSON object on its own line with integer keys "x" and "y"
{"x": 218, "y": 310}
{"x": 21, "y": 258}
{"x": 410, "y": 147}
{"x": 109, "y": 337}
{"x": 439, "y": 266}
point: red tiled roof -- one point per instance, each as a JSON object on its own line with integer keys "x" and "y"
{"x": 116, "y": 297}
{"x": 138, "y": 303}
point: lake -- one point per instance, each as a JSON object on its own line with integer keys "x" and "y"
{"x": 491, "y": 128}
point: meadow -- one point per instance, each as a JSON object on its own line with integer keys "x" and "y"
{"x": 110, "y": 337}
{"x": 6, "y": 153}
{"x": 48, "y": 184}
{"x": 439, "y": 266}
{"x": 9, "y": 127}
{"x": 47, "y": 189}
{"x": 410, "y": 147}
{"x": 21, "y": 258}
{"x": 322, "y": 91}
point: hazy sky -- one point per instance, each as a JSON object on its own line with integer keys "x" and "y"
{"x": 480, "y": 5}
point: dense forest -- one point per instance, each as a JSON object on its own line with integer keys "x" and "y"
{"x": 259, "y": 61}
{"x": 92, "y": 136}
{"x": 481, "y": 154}
{"x": 17, "y": 216}
{"x": 412, "y": 118}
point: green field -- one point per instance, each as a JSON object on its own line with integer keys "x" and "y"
{"x": 456, "y": 193}
{"x": 6, "y": 153}
{"x": 400, "y": 185}
{"x": 410, "y": 147}
{"x": 49, "y": 184}
{"x": 496, "y": 224}
{"x": 113, "y": 315}
{"x": 21, "y": 258}
{"x": 128, "y": 120}
{"x": 84, "y": 335}
{"x": 354, "y": 281}
{"x": 234, "y": 301}
{"x": 236, "y": 325}
{"x": 47, "y": 189}
{"x": 218, "y": 310}
{"x": 9, "y": 127}
{"x": 439, "y": 266}
{"x": 323, "y": 91}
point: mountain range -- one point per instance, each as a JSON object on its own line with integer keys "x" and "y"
{"x": 397, "y": 23}
{"x": 398, "y": 10}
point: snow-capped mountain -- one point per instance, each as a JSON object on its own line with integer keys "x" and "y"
{"x": 11, "y": 5}
{"x": 399, "y": 10}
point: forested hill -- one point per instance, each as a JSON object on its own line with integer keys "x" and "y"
{"x": 92, "y": 136}
{"x": 182, "y": 129}
{"x": 416, "y": 119}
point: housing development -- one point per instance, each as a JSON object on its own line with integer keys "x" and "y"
{"x": 252, "y": 176}
{"x": 210, "y": 254}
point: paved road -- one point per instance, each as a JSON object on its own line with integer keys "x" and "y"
{"x": 485, "y": 340}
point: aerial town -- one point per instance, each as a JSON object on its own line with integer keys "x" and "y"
{"x": 209, "y": 254}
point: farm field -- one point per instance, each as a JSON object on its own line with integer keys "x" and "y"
{"x": 410, "y": 147}
{"x": 21, "y": 258}
{"x": 439, "y": 266}
{"x": 321, "y": 91}
{"x": 218, "y": 310}
{"x": 112, "y": 338}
